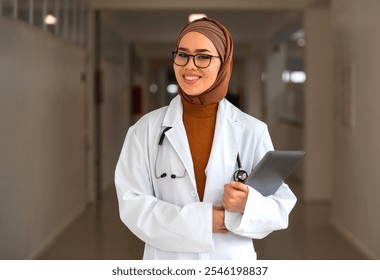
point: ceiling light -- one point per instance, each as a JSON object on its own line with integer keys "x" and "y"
{"x": 193, "y": 17}
{"x": 50, "y": 20}
{"x": 172, "y": 88}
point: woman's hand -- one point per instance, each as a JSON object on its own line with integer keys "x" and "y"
{"x": 218, "y": 225}
{"x": 235, "y": 197}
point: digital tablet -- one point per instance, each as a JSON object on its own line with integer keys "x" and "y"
{"x": 272, "y": 170}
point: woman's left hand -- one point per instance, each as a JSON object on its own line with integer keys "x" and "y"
{"x": 235, "y": 197}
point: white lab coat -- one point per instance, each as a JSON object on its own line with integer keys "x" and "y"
{"x": 167, "y": 214}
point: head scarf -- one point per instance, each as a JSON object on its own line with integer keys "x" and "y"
{"x": 222, "y": 40}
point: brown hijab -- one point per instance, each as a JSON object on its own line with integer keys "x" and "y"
{"x": 222, "y": 40}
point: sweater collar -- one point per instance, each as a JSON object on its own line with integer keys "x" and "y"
{"x": 199, "y": 111}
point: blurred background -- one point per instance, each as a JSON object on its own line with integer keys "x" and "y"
{"x": 74, "y": 75}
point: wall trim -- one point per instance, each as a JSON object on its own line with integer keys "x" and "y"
{"x": 49, "y": 241}
{"x": 354, "y": 241}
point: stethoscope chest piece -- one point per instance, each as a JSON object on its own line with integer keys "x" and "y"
{"x": 240, "y": 175}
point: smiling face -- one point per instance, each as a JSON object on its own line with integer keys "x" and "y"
{"x": 191, "y": 79}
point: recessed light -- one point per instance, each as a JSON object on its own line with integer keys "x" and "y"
{"x": 50, "y": 20}
{"x": 193, "y": 17}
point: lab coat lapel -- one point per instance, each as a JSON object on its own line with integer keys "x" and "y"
{"x": 222, "y": 161}
{"x": 177, "y": 136}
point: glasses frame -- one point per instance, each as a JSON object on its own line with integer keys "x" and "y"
{"x": 174, "y": 54}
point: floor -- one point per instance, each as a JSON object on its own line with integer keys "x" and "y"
{"x": 99, "y": 234}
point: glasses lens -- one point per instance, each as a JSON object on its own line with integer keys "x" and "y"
{"x": 202, "y": 60}
{"x": 180, "y": 59}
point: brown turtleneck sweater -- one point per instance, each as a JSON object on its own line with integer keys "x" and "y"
{"x": 199, "y": 121}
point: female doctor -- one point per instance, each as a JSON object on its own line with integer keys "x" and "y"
{"x": 174, "y": 175}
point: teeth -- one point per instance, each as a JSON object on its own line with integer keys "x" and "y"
{"x": 191, "y": 78}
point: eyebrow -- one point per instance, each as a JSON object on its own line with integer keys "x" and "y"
{"x": 197, "y": 50}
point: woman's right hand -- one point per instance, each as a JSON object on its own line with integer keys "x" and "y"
{"x": 218, "y": 225}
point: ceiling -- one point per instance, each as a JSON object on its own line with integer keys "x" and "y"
{"x": 156, "y": 24}
{"x": 164, "y": 25}
{"x": 249, "y": 21}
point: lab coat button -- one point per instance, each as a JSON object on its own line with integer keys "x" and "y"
{"x": 193, "y": 193}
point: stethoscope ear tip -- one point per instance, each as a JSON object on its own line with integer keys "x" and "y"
{"x": 163, "y": 175}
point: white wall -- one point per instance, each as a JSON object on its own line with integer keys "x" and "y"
{"x": 252, "y": 96}
{"x": 275, "y": 87}
{"x": 42, "y": 178}
{"x": 356, "y": 194}
{"x": 319, "y": 99}
{"x": 115, "y": 117}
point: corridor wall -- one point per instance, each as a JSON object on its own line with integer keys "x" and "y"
{"x": 42, "y": 101}
{"x": 355, "y": 205}
{"x": 115, "y": 117}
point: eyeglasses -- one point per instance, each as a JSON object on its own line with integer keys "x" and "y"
{"x": 200, "y": 60}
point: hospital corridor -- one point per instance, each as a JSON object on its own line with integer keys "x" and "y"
{"x": 76, "y": 74}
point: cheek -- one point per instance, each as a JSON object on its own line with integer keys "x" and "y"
{"x": 211, "y": 77}
{"x": 176, "y": 73}
{"x": 213, "y": 73}
{"x": 175, "y": 68}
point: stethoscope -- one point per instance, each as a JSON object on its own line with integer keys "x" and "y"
{"x": 238, "y": 176}
{"x": 164, "y": 174}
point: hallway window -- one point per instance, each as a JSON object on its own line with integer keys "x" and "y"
{"x": 7, "y": 8}
{"x": 24, "y": 13}
{"x": 64, "y": 18}
{"x": 37, "y": 13}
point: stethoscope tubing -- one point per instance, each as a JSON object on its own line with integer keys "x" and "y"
{"x": 238, "y": 176}
{"x": 164, "y": 174}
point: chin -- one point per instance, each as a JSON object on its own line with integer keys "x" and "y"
{"x": 191, "y": 92}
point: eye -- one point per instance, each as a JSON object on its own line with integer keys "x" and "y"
{"x": 182, "y": 55}
{"x": 203, "y": 57}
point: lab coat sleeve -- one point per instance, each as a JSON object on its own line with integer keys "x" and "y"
{"x": 163, "y": 225}
{"x": 262, "y": 215}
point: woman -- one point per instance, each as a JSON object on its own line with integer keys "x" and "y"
{"x": 174, "y": 175}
